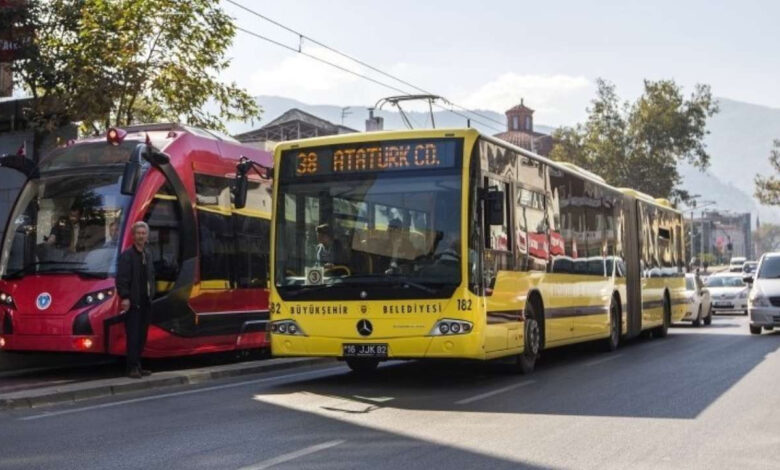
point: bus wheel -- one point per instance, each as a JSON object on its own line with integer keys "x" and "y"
{"x": 362, "y": 366}
{"x": 663, "y": 330}
{"x": 532, "y": 339}
{"x": 708, "y": 318}
{"x": 612, "y": 342}
{"x": 697, "y": 322}
{"x": 755, "y": 330}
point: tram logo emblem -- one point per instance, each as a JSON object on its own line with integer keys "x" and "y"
{"x": 43, "y": 301}
{"x": 365, "y": 328}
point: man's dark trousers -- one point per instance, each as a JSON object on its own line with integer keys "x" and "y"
{"x": 136, "y": 326}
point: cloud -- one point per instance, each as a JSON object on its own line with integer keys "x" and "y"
{"x": 311, "y": 81}
{"x": 557, "y": 99}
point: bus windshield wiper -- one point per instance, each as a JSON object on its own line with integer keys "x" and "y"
{"x": 28, "y": 267}
{"x": 395, "y": 280}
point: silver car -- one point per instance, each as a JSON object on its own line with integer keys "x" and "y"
{"x": 728, "y": 293}
{"x": 764, "y": 304}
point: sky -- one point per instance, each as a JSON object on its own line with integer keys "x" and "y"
{"x": 489, "y": 54}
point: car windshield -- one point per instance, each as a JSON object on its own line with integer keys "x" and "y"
{"x": 770, "y": 268}
{"x": 67, "y": 221}
{"x": 369, "y": 230}
{"x": 725, "y": 281}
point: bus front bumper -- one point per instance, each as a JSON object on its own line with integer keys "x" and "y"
{"x": 466, "y": 346}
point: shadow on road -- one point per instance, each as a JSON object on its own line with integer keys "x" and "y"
{"x": 676, "y": 377}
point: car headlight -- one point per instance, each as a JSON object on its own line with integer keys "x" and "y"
{"x": 7, "y": 301}
{"x": 447, "y": 327}
{"x": 286, "y": 327}
{"x": 759, "y": 300}
{"x": 94, "y": 298}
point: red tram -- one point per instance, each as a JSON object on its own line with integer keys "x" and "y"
{"x": 72, "y": 219}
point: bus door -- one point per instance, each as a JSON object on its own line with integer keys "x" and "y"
{"x": 633, "y": 274}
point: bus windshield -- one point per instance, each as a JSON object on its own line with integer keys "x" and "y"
{"x": 66, "y": 221}
{"x": 368, "y": 235}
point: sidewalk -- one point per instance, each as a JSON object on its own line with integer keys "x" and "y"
{"x": 68, "y": 393}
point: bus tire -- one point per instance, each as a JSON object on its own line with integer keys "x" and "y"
{"x": 697, "y": 322}
{"x": 755, "y": 330}
{"x": 361, "y": 365}
{"x": 663, "y": 330}
{"x": 612, "y": 342}
{"x": 532, "y": 341}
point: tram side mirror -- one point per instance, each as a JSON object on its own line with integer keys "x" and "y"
{"x": 239, "y": 191}
{"x": 494, "y": 207}
{"x": 131, "y": 176}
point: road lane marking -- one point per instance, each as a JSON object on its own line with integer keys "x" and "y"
{"x": 482, "y": 396}
{"x": 603, "y": 359}
{"x": 176, "y": 394}
{"x": 292, "y": 455}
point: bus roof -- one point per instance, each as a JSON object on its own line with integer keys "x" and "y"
{"x": 464, "y": 132}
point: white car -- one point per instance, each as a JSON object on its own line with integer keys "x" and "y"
{"x": 728, "y": 293}
{"x": 698, "y": 304}
{"x": 764, "y": 305}
{"x": 735, "y": 265}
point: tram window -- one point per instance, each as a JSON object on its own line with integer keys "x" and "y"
{"x": 164, "y": 219}
{"x": 253, "y": 238}
{"x": 215, "y": 231}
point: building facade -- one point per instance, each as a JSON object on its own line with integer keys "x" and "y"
{"x": 720, "y": 235}
{"x": 520, "y": 131}
{"x": 292, "y": 124}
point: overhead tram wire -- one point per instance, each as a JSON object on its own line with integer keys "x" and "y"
{"x": 302, "y": 36}
{"x": 352, "y": 72}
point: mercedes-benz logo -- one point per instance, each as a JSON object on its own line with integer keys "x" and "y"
{"x": 365, "y": 328}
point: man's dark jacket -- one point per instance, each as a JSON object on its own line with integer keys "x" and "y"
{"x": 129, "y": 270}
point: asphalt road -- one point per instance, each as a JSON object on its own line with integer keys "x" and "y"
{"x": 701, "y": 398}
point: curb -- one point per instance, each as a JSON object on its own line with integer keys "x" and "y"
{"x": 72, "y": 393}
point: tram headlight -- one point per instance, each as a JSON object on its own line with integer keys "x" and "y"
{"x": 94, "y": 298}
{"x": 448, "y": 327}
{"x": 7, "y": 300}
{"x": 286, "y": 327}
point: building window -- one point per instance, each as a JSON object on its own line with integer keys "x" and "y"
{"x": 528, "y": 125}
{"x": 515, "y": 123}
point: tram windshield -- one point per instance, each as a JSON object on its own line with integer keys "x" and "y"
{"x": 69, "y": 219}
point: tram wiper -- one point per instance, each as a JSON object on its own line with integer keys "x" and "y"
{"x": 28, "y": 267}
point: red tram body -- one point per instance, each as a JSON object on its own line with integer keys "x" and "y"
{"x": 73, "y": 218}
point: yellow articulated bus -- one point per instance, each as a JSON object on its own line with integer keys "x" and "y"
{"x": 452, "y": 244}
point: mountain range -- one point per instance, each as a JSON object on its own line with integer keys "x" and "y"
{"x": 739, "y": 141}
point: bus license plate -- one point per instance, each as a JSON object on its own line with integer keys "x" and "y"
{"x": 364, "y": 350}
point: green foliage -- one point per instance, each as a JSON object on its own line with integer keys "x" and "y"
{"x": 766, "y": 238}
{"x": 126, "y": 61}
{"x": 639, "y": 145}
{"x": 768, "y": 187}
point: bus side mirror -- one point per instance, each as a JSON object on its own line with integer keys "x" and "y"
{"x": 494, "y": 207}
{"x": 131, "y": 176}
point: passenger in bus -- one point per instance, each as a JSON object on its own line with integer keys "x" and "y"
{"x": 400, "y": 248}
{"x": 329, "y": 252}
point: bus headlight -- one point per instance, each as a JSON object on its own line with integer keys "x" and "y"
{"x": 448, "y": 327}
{"x": 286, "y": 327}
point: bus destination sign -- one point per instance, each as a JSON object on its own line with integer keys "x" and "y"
{"x": 373, "y": 157}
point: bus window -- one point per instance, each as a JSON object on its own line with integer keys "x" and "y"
{"x": 164, "y": 219}
{"x": 498, "y": 235}
{"x": 532, "y": 241}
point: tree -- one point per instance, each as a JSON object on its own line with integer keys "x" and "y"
{"x": 121, "y": 62}
{"x": 768, "y": 187}
{"x": 639, "y": 145}
{"x": 766, "y": 238}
